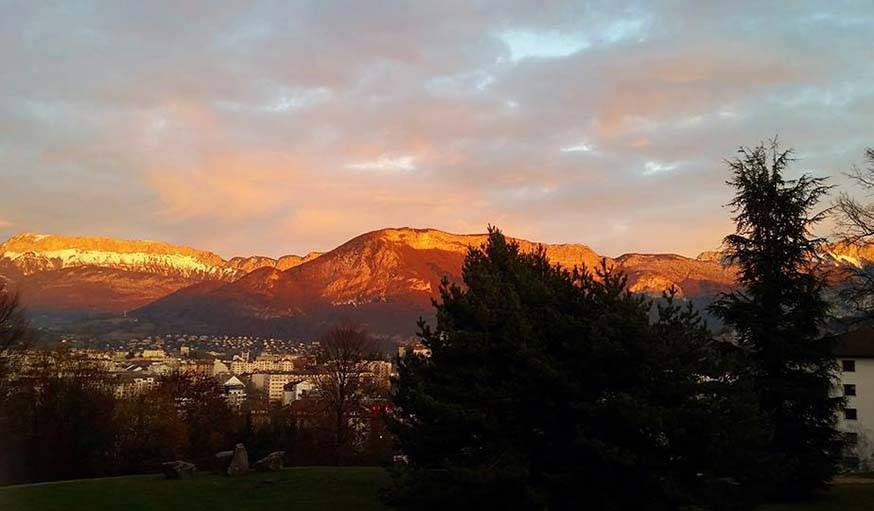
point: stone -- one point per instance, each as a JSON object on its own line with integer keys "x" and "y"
{"x": 273, "y": 462}
{"x": 178, "y": 469}
{"x": 239, "y": 461}
{"x": 223, "y": 461}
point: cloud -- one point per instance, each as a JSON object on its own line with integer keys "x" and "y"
{"x": 551, "y": 44}
{"x": 400, "y": 163}
{"x": 654, "y": 167}
{"x": 224, "y": 186}
{"x": 272, "y": 128}
{"x": 578, "y": 148}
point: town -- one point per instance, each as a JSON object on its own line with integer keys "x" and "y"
{"x": 252, "y": 372}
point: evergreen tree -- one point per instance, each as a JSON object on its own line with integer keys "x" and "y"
{"x": 551, "y": 389}
{"x": 777, "y": 315}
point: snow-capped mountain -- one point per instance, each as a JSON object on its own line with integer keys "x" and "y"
{"x": 110, "y": 275}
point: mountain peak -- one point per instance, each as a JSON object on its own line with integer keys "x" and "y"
{"x": 43, "y": 252}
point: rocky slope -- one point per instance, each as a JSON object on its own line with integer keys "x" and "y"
{"x": 384, "y": 279}
{"x": 35, "y": 253}
{"x": 109, "y": 275}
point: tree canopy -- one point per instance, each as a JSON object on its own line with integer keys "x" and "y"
{"x": 547, "y": 387}
{"x": 777, "y": 315}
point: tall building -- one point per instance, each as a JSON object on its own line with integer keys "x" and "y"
{"x": 855, "y": 356}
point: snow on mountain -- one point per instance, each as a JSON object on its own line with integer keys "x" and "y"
{"x": 34, "y": 253}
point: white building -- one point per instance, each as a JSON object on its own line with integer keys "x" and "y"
{"x": 235, "y": 390}
{"x": 154, "y": 354}
{"x": 134, "y": 384}
{"x": 855, "y": 353}
{"x": 273, "y": 384}
{"x": 296, "y": 390}
{"x": 276, "y": 385}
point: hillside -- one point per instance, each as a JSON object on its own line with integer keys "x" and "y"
{"x": 383, "y": 279}
{"x": 386, "y": 279}
{"x": 106, "y": 275}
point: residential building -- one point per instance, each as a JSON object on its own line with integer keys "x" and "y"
{"x": 296, "y": 390}
{"x": 154, "y": 354}
{"x": 134, "y": 384}
{"x": 275, "y": 385}
{"x": 235, "y": 390}
{"x": 416, "y": 348}
{"x": 855, "y": 356}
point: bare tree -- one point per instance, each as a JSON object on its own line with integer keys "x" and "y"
{"x": 342, "y": 382}
{"x": 855, "y": 219}
{"x": 855, "y": 224}
{"x": 14, "y": 329}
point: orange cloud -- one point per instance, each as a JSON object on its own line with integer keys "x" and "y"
{"x": 223, "y": 186}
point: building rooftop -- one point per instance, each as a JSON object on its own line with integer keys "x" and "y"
{"x": 856, "y": 343}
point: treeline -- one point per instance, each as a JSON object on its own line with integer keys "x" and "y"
{"x": 552, "y": 388}
{"x": 60, "y": 418}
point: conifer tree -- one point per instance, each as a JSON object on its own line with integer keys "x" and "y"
{"x": 777, "y": 316}
{"x": 549, "y": 388}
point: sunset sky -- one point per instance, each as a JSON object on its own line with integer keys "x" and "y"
{"x": 284, "y": 127}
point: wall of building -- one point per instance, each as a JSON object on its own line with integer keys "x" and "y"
{"x": 863, "y": 403}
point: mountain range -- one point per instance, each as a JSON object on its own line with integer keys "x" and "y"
{"x": 384, "y": 279}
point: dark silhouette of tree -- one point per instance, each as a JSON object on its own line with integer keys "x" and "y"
{"x": 855, "y": 218}
{"x": 211, "y": 425}
{"x": 150, "y": 430}
{"x": 855, "y": 222}
{"x": 15, "y": 332}
{"x": 777, "y": 315}
{"x": 62, "y": 425}
{"x": 552, "y": 389}
{"x": 341, "y": 384}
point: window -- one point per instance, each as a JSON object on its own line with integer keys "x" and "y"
{"x": 851, "y": 439}
{"x": 850, "y": 414}
{"x": 849, "y": 389}
{"x": 848, "y": 366}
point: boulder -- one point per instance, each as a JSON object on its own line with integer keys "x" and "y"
{"x": 273, "y": 462}
{"x": 223, "y": 461}
{"x": 178, "y": 469}
{"x": 239, "y": 461}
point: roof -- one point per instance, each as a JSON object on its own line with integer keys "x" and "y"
{"x": 233, "y": 381}
{"x": 856, "y": 343}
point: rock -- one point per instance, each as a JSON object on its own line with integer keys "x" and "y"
{"x": 223, "y": 461}
{"x": 273, "y": 462}
{"x": 239, "y": 461}
{"x": 178, "y": 469}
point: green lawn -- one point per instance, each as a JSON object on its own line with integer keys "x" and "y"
{"x": 842, "y": 497}
{"x": 295, "y": 489}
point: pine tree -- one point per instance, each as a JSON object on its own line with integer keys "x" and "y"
{"x": 551, "y": 389}
{"x": 777, "y": 315}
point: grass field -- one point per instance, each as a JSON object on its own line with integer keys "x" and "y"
{"x": 295, "y": 489}
{"x": 842, "y": 497}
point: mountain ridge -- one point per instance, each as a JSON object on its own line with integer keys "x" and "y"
{"x": 33, "y": 253}
{"x": 385, "y": 279}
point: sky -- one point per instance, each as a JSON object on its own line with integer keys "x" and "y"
{"x": 283, "y": 127}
